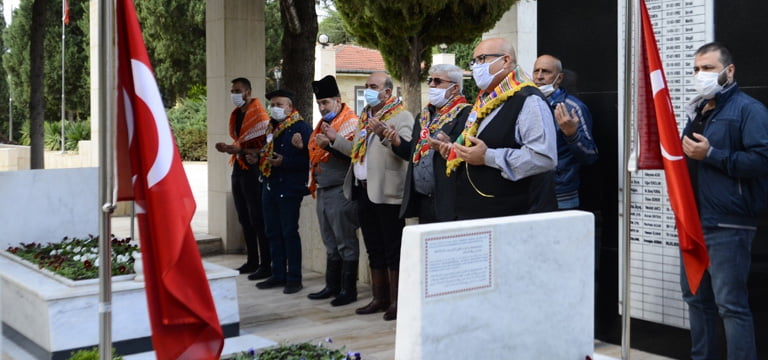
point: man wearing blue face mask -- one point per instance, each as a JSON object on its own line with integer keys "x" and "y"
{"x": 375, "y": 179}
{"x": 505, "y": 157}
{"x": 336, "y": 215}
{"x": 575, "y": 145}
{"x": 726, "y": 145}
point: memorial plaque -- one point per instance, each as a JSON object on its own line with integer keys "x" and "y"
{"x": 458, "y": 263}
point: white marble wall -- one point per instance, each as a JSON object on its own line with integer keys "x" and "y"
{"x": 46, "y": 205}
{"x": 532, "y": 300}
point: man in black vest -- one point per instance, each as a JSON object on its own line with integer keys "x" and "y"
{"x": 504, "y": 159}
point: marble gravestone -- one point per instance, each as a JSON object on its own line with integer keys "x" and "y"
{"x": 519, "y": 287}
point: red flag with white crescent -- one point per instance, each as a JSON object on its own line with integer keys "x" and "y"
{"x": 181, "y": 309}
{"x": 681, "y": 199}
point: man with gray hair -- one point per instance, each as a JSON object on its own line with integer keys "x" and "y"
{"x": 429, "y": 194}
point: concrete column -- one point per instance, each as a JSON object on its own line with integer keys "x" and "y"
{"x": 518, "y": 26}
{"x": 234, "y": 48}
{"x": 93, "y": 144}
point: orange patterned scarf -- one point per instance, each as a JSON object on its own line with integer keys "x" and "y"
{"x": 252, "y": 131}
{"x": 345, "y": 124}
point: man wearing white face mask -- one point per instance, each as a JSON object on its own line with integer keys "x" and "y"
{"x": 575, "y": 145}
{"x": 505, "y": 157}
{"x": 248, "y": 126}
{"x": 726, "y": 145}
{"x": 284, "y": 165}
{"x": 429, "y": 194}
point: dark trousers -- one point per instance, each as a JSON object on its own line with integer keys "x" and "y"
{"x": 282, "y": 227}
{"x": 246, "y": 192}
{"x": 382, "y": 231}
{"x": 426, "y": 208}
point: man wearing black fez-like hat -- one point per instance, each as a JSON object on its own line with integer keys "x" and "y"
{"x": 336, "y": 214}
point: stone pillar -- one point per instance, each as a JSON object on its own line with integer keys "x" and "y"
{"x": 234, "y": 48}
{"x": 518, "y": 26}
{"x": 93, "y": 144}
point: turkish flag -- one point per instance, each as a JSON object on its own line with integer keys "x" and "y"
{"x": 689, "y": 231}
{"x": 65, "y": 15}
{"x": 181, "y": 309}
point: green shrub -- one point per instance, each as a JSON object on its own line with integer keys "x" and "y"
{"x": 298, "y": 352}
{"x": 189, "y": 123}
{"x": 92, "y": 354}
{"x": 74, "y": 131}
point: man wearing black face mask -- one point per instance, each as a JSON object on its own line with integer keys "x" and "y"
{"x": 726, "y": 143}
{"x": 336, "y": 214}
{"x": 575, "y": 145}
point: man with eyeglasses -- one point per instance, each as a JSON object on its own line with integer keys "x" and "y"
{"x": 375, "y": 179}
{"x": 575, "y": 144}
{"x": 429, "y": 194}
{"x": 505, "y": 157}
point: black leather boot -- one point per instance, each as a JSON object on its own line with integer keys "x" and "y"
{"x": 348, "y": 292}
{"x": 332, "y": 281}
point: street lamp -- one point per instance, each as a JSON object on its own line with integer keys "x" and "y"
{"x": 443, "y": 47}
{"x": 323, "y": 40}
{"x": 278, "y": 72}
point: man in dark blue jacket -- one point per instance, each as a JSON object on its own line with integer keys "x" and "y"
{"x": 575, "y": 144}
{"x": 284, "y": 165}
{"x": 726, "y": 144}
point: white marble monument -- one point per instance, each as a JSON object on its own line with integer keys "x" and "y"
{"x": 519, "y": 287}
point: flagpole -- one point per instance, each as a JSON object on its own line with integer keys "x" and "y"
{"x": 629, "y": 71}
{"x": 106, "y": 96}
{"x": 63, "y": 37}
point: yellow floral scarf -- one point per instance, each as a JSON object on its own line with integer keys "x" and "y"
{"x": 484, "y": 105}
{"x": 272, "y": 133}
{"x": 392, "y": 107}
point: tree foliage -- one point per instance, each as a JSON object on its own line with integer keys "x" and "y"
{"x": 333, "y": 26}
{"x": 16, "y": 62}
{"x": 404, "y": 31}
{"x": 4, "y": 95}
{"x": 174, "y": 32}
{"x": 273, "y": 35}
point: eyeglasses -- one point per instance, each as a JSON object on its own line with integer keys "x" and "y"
{"x": 480, "y": 59}
{"x": 438, "y": 81}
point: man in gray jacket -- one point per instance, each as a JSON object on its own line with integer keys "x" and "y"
{"x": 336, "y": 214}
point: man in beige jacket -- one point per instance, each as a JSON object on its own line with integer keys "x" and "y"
{"x": 375, "y": 179}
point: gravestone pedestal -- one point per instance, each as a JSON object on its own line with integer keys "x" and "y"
{"x": 518, "y": 287}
